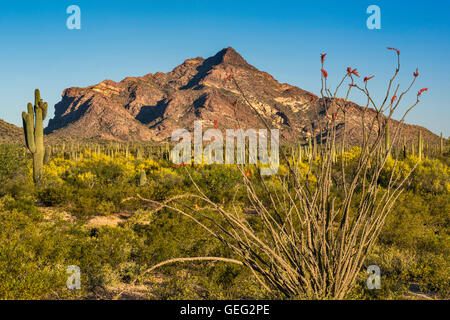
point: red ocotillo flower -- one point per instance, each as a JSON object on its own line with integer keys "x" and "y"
{"x": 215, "y": 124}
{"x": 322, "y": 57}
{"x": 351, "y": 71}
{"x": 393, "y": 99}
{"x": 368, "y": 78}
{"x": 313, "y": 96}
{"x": 421, "y": 91}
{"x": 247, "y": 174}
{"x": 395, "y": 49}
{"x": 229, "y": 76}
{"x": 416, "y": 74}
{"x": 324, "y": 73}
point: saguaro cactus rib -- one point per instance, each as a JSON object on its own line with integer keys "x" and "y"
{"x": 34, "y": 134}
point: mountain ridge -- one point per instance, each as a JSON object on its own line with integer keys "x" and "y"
{"x": 10, "y": 132}
{"x": 152, "y": 106}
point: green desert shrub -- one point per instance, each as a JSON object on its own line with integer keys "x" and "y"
{"x": 13, "y": 171}
{"x": 54, "y": 195}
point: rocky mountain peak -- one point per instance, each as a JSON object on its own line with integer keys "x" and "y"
{"x": 153, "y": 106}
{"x": 229, "y": 56}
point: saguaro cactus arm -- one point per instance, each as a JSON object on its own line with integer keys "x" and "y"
{"x": 28, "y": 128}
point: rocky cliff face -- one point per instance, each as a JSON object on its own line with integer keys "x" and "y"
{"x": 151, "y": 107}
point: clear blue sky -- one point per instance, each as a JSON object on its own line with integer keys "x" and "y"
{"x": 284, "y": 38}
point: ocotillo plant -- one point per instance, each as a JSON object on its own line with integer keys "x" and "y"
{"x": 313, "y": 242}
{"x": 33, "y": 128}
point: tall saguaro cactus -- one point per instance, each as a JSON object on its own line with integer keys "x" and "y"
{"x": 33, "y": 128}
{"x": 420, "y": 146}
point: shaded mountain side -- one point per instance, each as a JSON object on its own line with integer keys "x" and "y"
{"x": 151, "y": 107}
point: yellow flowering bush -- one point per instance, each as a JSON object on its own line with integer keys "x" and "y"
{"x": 431, "y": 175}
{"x": 55, "y": 169}
{"x": 89, "y": 166}
{"x": 87, "y": 179}
{"x": 147, "y": 165}
{"x": 398, "y": 170}
{"x": 350, "y": 155}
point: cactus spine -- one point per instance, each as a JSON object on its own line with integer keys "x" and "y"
{"x": 33, "y": 128}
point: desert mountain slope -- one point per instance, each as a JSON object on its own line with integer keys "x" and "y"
{"x": 10, "y": 133}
